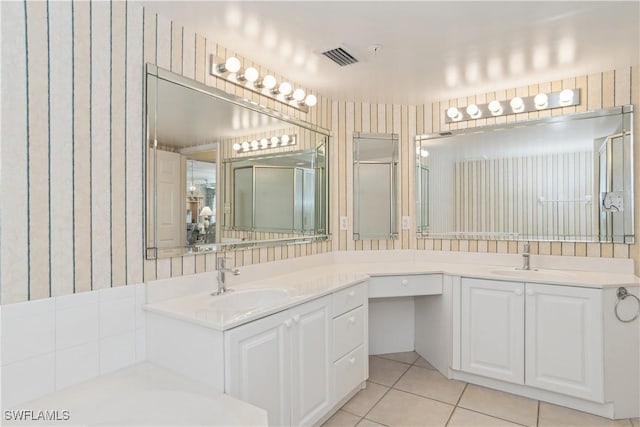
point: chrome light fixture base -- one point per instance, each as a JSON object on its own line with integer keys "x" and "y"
{"x": 239, "y": 78}
{"x": 540, "y": 102}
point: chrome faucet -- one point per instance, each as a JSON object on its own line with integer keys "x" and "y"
{"x": 526, "y": 257}
{"x": 222, "y": 275}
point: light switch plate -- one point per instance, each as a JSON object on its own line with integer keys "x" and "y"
{"x": 405, "y": 222}
{"x": 344, "y": 223}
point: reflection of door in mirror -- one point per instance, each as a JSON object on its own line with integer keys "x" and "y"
{"x": 169, "y": 169}
{"x": 201, "y": 196}
{"x": 375, "y": 180}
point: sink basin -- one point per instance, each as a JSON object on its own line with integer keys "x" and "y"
{"x": 251, "y": 297}
{"x": 515, "y": 272}
{"x": 242, "y": 303}
{"x": 533, "y": 273}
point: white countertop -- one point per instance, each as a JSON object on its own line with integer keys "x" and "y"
{"x": 143, "y": 394}
{"x": 218, "y": 312}
{"x": 315, "y": 280}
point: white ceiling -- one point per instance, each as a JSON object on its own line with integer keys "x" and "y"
{"x": 430, "y": 50}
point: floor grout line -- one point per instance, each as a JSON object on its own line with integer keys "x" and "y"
{"x": 455, "y": 406}
{"x": 385, "y": 393}
{"x": 493, "y": 416}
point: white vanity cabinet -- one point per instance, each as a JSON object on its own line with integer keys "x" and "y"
{"x": 545, "y": 336}
{"x": 283, "y": 363}
{"x": 350, "y": 358}
{"x": 492, "y": 329}
{"x": 564, "y": 340}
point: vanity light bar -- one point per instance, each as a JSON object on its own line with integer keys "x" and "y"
{"x": 539, "y": 102}
{"x": 265, "y": 143}
{"x": 249, "y": 78}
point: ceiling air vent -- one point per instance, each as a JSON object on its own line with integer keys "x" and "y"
{"x": 340, "y": 56}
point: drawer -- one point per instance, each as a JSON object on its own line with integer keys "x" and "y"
{"x": 349, "y": 298}
{"x": 405, "y": 285}
{"x": 348, "y": 373}
{"x": 348, "y": 332}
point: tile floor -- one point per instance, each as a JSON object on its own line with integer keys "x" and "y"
{"x": 405, "y": 390}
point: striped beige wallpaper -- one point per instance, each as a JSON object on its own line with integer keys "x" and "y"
{"x": 72, "y": 140}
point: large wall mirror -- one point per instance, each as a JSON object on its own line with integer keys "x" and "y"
{"x": 223, "y": 173}
{"x": 564, "y": 178}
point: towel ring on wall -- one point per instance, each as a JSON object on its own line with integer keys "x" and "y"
{"x": 623, "y": 294}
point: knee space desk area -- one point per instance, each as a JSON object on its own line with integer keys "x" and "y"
{"x": 474, "y": 317}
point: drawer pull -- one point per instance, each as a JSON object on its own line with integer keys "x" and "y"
{"x": 352, "y": 294}
{"x": 287, "y": 323}
{"x": 352, "y": 360}
{"x": 296, "y": 318}
{"x": 404, "y": 282}
{"x": 518, "y": 292}
{"x": 530, "y": 292}
{"x": 352, "y": 320}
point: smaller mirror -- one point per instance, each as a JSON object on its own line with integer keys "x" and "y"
{"x": 375, "y": 186}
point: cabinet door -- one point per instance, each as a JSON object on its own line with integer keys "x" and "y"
{"x": 258, "y": 365}
{"x": 564, "y": 340}
{"x": 311, "y": 362}
{"x": 492, "y": 329}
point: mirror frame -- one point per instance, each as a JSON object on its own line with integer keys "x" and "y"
{"x": 154, "y": 252}
{"x": 619, "y": 110}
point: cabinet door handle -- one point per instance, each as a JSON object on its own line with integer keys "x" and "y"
{"x": 404, "y": 282}
{"x": 352, "y": 360}
{"x": 518, "y": 292}
{"x": 287, "y": 323}
{"x": 296, "y": 318}
{"x": 352, "y": 294}
{"x": 530, "y": 292}
{"x": 352, "y": 320}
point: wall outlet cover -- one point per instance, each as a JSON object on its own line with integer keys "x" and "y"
{"x": 405, "y": 223}
{"x": 344, "y": 223}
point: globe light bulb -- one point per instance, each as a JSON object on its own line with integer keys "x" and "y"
{"x": 517, "y": 104}
{"x": 251, "y": 74}
{"x": 285, "y": 88}
{"x": 454, "y": 113}
{"x": 269, "y": 82}
{"x": 495, "y": 107}
{"x": 311, "y": 100}
{"x": 541, "y": 100}
{"x": 473, "y": 110}
{"x": 298, "y": 95}
{"x": 566, "y": 97}
{"x": 232, "y": 64}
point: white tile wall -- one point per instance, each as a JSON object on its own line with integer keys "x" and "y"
{"x": 77, "y": 320}
{"x": 117, "y": 316}
{"x": 28, "y": 330}
{"x": 28, "y": 379}
{"x": 57, "y": 342}
{"x": 77, "y": 364}
{"x": 117, "y": 352}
